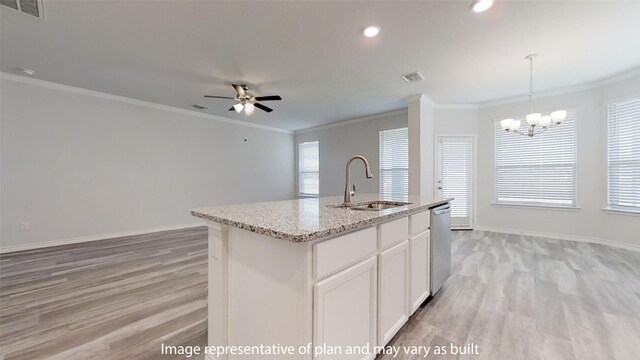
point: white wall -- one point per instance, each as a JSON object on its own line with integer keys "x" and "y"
{"x": 460, "y": 120}
{"x": 360, "y": 136}
{"x": 77, "y": 165}
{"x": 589, "y": 221}
{"x": 339, "y": 143}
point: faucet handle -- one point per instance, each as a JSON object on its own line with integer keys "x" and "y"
{"x": 353, "y": 192}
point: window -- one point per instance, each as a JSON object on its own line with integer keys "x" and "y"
{"x": 537, "y": 171}
{"x": 624, "y": 155}
{"x": 309, "y": 168}
{"x": 394, "y": 163}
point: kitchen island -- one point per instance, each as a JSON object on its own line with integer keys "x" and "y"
{"x": 312, "y": 276}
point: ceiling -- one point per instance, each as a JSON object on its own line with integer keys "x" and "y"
{"x": 314, "y": 55}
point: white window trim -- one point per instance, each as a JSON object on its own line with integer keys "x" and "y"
{"x": 298, "y": 193}
{"x": 614, "y": 211}
{"x": 576, "y": 205}
{"x": 381, "y": 130}
{"x": 537, "y": 207}
{"x": 607, "y": 208}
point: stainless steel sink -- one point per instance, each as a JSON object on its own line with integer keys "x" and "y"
{"x": 378, "y": 205}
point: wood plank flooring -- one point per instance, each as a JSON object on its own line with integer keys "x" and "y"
{"x": 521, "y": 297}
{"x": 516, "y": 297}
{"x": 112, "y": 299}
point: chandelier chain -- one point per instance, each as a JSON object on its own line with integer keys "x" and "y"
{"x": 530, "y": 57}
{"x": 538, "y": 123}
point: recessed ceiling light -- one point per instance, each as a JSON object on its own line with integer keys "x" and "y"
{"x": 27, "y": 72}
{"x": 479, "y": 6}
{"x": 371, "y": 31}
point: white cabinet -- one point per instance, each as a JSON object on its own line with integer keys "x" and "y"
{"x": 419, "y": 222}
{"x": 344, "y": 312}
{"x": 393, "y": 291}
{"x": 393, "y": 232}
{"x": 339, "y": 253}
{"x": 419, "y": 258}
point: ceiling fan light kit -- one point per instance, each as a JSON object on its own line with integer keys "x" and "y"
{"x": 537, "y": 122}
{"x": 247, "y": 101}
{"x": 249, "y": 108}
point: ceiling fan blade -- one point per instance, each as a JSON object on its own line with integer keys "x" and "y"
{"x": 218, "y": 97}
{"x": 268, "y": 98}
{"x": 232, "y": 109}
{"x": 239, "y": 89}
{"x": 262, "y": 107}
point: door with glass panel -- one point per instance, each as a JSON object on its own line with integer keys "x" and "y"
{"x": 454, "y": 177}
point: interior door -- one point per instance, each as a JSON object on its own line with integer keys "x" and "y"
{"x": 454, "y": 177}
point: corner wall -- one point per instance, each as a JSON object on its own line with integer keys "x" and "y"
{"x": 77, "y": 167}
{"x": 340, "y": 141}
{"x": 589, "y": 222}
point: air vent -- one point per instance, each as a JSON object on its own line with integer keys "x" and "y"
{"x": 199, "y": 107}
{"x": 413, "y": 77}
{"x": 29, "y": 7}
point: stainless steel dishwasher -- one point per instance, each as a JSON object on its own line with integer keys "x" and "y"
{"x": 440, "y": 246}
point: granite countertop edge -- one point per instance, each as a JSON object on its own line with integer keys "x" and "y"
{"x": 307, "y": 237}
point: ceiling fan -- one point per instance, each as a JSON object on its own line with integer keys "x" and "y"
{"x": 246, "y": 100}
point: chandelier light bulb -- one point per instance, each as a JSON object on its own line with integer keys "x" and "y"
{"x": 238, "y": 107}
{"x": 506, "y": 124}
{"x": 515, "y": 125}
{"x": 545, "y": 120}
{"x": 533, "y": 119}
{"x": 558, "y": 116}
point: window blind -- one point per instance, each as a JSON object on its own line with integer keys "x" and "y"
{"x": 624, "y": 155}
{"x": 309, "y": 168}
{"x": 394, "y": 163}
{"x": 537, "y": 171}
{"x": 455, "y": 167}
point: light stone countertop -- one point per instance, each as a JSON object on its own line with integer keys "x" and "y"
{"x": 309, "y": 219}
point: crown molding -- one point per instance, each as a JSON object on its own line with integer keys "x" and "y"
{"x": 383, "y": 115}
{"x": 566, "y": 90}
{"x": 456, "y": 106}
{"x": 127, "y": 100}
{"x": 420, "y": 97}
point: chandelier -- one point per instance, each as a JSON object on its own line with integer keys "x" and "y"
{"x": 538, "y": 123}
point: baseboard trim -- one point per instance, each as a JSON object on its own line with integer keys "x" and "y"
{"x": 83, "y": 239}
{"x": 598, "y": 241}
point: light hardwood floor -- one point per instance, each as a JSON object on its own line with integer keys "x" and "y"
{"x": 113, "y": 299}
{"x": 521, "y": 297}
{"x": 516, "y": 297}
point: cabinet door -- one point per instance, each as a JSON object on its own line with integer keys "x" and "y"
{"x": 419, "y": 275}
{"x": 344, "y": 311}
{"x": 393, "y": 291}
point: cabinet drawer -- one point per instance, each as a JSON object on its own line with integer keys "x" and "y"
{"x": 419, "y": 222}
{"x": 338, "y": 253}
{"x": 393, "y": 232}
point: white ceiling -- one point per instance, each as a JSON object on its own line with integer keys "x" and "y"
{"x": 314, "y": 55}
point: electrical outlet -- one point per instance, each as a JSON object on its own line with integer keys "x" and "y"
{"x": 24, "y": 226}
